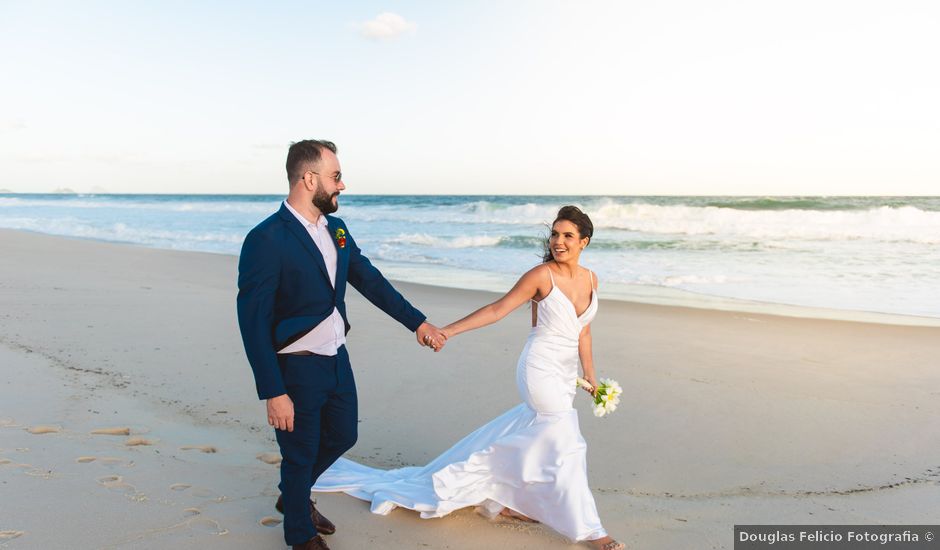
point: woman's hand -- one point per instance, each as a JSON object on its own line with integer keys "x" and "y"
{"x": 429, "y": 335}
{"x": 592, "y": 380}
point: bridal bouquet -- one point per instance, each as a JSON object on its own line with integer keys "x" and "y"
{"x": 606, "y": 395}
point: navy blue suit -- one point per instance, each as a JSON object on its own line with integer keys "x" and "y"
{"x": 284, "y": 291}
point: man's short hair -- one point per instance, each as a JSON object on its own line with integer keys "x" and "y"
{"x": 304, "y": 153}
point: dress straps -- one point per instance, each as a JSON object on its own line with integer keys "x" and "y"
{"x": 593, "y": 278}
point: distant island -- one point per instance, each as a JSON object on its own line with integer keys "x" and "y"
{"x": 64, "y": 191}
{"x": 6, "y": 191}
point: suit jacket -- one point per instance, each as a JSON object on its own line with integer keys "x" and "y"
{"x": 284, "y": 291}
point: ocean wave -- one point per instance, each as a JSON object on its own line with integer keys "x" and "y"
{"x": 408, "y": 256}
{"x": 247, "y": 207}
{"x": 212, "y": 241}
{"x": 683, "y": 280}
{"x": 632, "y": 222}
{"x": 784, "y": 203}
{"x": 94, "y": 202}
{"x": 472, "y": 213}
{"x": 476, "y": 241}
{"x": 423, "y": 239}
{"x": 885, "y": 223}
{"x": 632, "y": 242}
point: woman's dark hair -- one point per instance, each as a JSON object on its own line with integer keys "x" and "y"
{"x": 574, "y": 215}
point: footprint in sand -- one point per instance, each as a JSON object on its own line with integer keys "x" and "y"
{"x": 269, "y": 458}
{"x": 203, "y": 448}
{"x": 110, "y": 481}
{"x": 204, "y": 492}
{"x": 180, "y": 486}
{"x": 116, "y": 483}
{"x": 7, "y": 535}
{"x": 206, "y": 525}
{"x": 269, "y": 521}
{"x": 109, "y": 462}
{"x": 137, "y": 441}
{"x": 39, "y": 472}
{"x": 192, "y": 511}
{"x": 112, "y": 460}
{"x": 112, "y": 431}
{"x": 44, "y": 429}
{"x": 5, "y": 461}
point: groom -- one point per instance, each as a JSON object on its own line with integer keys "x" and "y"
{"x": 292, "y": 277}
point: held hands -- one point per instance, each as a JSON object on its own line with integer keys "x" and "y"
{"x": 281, "y": 412}
{"x": 429, "y": 335}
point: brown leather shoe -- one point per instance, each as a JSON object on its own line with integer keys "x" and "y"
{"x": 322, "y": 524}
{"x": 316, "y": 543}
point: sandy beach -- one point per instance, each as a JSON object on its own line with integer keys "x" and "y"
{"x": 129, "y": 419}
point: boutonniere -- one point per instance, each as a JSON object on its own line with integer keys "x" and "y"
{"x": 341, "y": 238}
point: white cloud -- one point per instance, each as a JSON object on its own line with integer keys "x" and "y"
{"x": 387, "y": 26}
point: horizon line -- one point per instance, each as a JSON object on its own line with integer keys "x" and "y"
{"x": 773, "y": 195}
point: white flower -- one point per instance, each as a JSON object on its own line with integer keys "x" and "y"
{"x": 606, "y": 395}
{"x": 612, "y": 386}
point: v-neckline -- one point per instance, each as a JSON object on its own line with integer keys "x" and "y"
{"x": 567, "y": 299}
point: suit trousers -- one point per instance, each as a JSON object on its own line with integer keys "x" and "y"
{"x": 325, "y": 426}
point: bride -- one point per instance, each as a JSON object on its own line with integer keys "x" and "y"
{"x": 530, "y": 462}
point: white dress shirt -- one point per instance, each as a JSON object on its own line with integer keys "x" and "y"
{"x": 330, "y": 334}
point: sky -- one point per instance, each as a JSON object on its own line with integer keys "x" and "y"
{"x": 581, "y": 97}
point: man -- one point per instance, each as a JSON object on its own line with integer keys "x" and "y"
{"x": 292, "y": 277}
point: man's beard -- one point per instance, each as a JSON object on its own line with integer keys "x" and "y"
{"x": 324, "y": 202}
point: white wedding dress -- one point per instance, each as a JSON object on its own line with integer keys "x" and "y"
{"x": 530, "y": 459}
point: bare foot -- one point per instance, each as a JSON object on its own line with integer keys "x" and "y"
{"x": 606, "y": 543}
{"x": 516, "y": 515}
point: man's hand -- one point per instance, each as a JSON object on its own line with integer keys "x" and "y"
{"x": 429, "y": 335}
{"x": 281, "y": 412}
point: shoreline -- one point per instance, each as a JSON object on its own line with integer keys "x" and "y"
{"x": 618, "y": 292}
{"x": 673, "y": 297}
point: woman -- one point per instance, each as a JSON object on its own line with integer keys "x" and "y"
{"x": 530, "y": 462}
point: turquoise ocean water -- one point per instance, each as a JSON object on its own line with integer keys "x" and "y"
{"x": 877, "y": 254}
